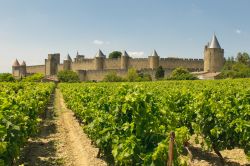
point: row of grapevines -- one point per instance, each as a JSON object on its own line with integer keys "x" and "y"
{"x": 132, "y": 121}
{"x": 21, "y": 104}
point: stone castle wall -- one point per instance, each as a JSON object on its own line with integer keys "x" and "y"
{"x": 36, "y": 69}
{"x": 98, "y": 67}
{"x": 60, "y": 67}
{"x": 112, "y": 63}
{"x": 94, "y": 69}
{"x": 138, "y": 63}
{"x": 86, "y": 64}
{"x": 191, "y": 64}
{"x": 98, "y": 75}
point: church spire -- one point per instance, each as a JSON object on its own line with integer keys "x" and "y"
{"x": 214, "y": 42}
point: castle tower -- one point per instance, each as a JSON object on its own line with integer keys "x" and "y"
{"x": 51, "y": 64}
{"x": 67, "y": 63}
{"x": 213, "y": 56}
{"x": 99, "y": 60}
{"x": 16, "y": 69}
{"x": 154, "y": 60}
{"x": 22, "y": 69}
{"x": 124, "y": 60}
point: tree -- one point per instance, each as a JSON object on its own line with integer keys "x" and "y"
{"x": 181, "y": 74}
{"x": 237, "y": 69}
{"x": 115, "y": 54}
{"x": 243, "y": 58}
{"x": 33, "y": 78}
{"x": 113, "y": 77}
{"x": 159, "y": 73}
{"x": 6, "y": 77}
{"x": 67, "y": 76}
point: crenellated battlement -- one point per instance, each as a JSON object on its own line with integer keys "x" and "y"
{"x": 100, "y": 65}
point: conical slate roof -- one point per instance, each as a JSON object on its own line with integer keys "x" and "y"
{"x": 154, "y": 53}
{"x": 69, "y": 58}
{"x": 124, "y": 53}
{"x": 214, "y": 43}
{"x": 16, "y": 63}
{"x": 23, "y": 63}
{"x": 99, "y": 54}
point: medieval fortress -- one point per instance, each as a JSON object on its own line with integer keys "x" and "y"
{"x": 99, "y": 66}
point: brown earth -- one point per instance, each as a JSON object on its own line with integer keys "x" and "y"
{"x": 61, "y": 141}
{"x": 234, "y": 157}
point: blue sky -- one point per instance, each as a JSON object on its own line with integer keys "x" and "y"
{"x": 30, "y": 29}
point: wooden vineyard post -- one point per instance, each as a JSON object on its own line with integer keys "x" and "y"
{"x": 171, "y": 149}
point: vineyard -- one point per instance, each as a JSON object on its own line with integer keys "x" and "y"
{"x": 131, "y": 122}
{"x": 21, "y": 105}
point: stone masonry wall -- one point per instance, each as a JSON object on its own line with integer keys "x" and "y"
{"x": 112, "y": 63}
{"x": 36, "y": 69}
{"x": 115, "y": 64}
{"x": 98, "y": 75}
{"x": 172, "y": 63}
{"x": 138, "y": 63}
{"x": 86, "y": 64}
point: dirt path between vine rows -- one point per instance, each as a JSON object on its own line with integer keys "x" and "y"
{"x": 61, "y": 140}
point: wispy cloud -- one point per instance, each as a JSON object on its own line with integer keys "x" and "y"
{"x": 100, "y": 42}
{"x": 136, "y": 54}
{"x": 238, "y": 31}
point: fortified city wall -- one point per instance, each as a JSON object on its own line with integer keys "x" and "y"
{"x": 35, "y": 69}
{"x": 97, "y": 67}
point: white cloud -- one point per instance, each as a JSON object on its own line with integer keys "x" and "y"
{"x": 98, "y": 42}
{"x": 136, "y": 54}
{"x": 238, "y": 31}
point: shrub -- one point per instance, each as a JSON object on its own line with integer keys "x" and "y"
{"x": 6, "y": 77}
{"x": 159, "y": 73}
{"x": 144, "y": 77}
{"x": 33, "y": 78}
{"x": 68, "y": 76}
{"x": 113, "y": 77}
{"x": 132, "y": 75}
{"x": 181, "y": 74}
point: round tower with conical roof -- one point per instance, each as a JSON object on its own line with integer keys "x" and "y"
{"x": 154, "y": 60}
{"x": 16, "y": 69}
{"x": 99, "y": 60}
{"x": 124, "y": 60}
{"x": 213, "y": 56}
{"x": 22, "y": 69}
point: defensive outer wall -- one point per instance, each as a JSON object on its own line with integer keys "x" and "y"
{"x": 99, "y": 66}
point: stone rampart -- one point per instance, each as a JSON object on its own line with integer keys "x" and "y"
{"x": 35, "y": 69}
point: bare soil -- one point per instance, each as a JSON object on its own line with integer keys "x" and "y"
{"x": 234, "y": 157}
{"x": 75, "y": 146}
{"x": 61, "y": 140}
